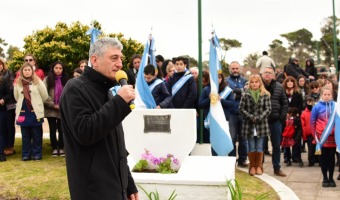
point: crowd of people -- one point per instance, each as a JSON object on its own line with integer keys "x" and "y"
{"x": 291, "y": 109}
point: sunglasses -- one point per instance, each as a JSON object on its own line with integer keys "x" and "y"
{"x": 29, "y": 60}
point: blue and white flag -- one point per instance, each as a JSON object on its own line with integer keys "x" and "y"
{"x": 144, "y": 98}
{"x": 337, "y": 122}
{"x": 93, "y": 33}
{"x": 219, "y": 129}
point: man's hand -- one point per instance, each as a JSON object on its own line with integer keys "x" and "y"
{"x": 127, "y": 93}
{"x": 133, "y": 196}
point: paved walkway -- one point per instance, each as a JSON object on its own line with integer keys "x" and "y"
{"x": 305, "y": 181}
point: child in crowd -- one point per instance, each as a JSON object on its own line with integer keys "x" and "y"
{"x": 323, "y": 116}
{"x": 315, "y": 90}
{"x": 157, "y": 87}
{"x": 291, "y": 135}
{"x": 255, "y": 108}
{"x": 307, "y": 132}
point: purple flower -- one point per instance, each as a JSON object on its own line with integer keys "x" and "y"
{"x": 176, "y": 161}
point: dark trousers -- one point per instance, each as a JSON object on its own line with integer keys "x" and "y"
{"x": 31, "y": 141}
{"x": 296, "y": 151}
{"x": 311, "y": 149}
{"x": 327, "y": 162}
{"x": 235, "y": 128}
{"x": 54, "y": 124}
{"x": 3, "y": 115}
{"x": 275, "y": 138}
{"x": 10, "y": 128}
{"x": 287, "y": 153}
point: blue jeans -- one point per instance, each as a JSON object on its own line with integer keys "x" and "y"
{"x": 275, "y": 138}
{"x": 255, "y": 143}
{"x": 31, "y": 141}
{"x": 235, "y": 128}
{"x": 3, "y": 115}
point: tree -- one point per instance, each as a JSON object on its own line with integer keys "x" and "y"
{"x": 250, "y": 60}
{"x": 68, "y": 44}
{"x": 326, "y": 40}
{"x": 300, "y": 43}
{"x": 2, "y": 44}
{"x": 10, "y": 52}
{"x": 226, "y": 45}
{"x": 279, "y": 53}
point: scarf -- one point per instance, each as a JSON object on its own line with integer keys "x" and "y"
{"x": 26, "y": 91}
{"x": 58, "y": 88}
{"x": 255, "y": 94}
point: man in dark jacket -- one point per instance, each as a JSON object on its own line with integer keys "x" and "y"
{"x": 293, "y": 69}
{"x": 278, "y": 114}
{"x": 91, "y": 116}
{"x": 237, "y": 83}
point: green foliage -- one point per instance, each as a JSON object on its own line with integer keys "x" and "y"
{"x": 235, "y": 190}
{"x": 300, "y": 43}
{"x": 227, "y": 44}
{"x": 250, "y": 60}
{"x": 165, "y": 167}
{"x": 68, "y": 44}
{"x": 2, "y": 43}
{"x": 326, "y": 40}
{"x": 10, "y": 51}
{"x": 141, "y": 165}
{"x": 155, "y": 195}
{"x": 279, "y": 53}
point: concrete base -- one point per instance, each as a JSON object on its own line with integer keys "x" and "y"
{"x": 200, "y": 177}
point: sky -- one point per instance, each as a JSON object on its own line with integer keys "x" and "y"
{"x": 174, "y": 23}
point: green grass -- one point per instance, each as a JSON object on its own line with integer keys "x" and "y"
{"x": 46, "y": 179}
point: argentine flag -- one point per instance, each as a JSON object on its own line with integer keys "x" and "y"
{"x": 337, "y": 122}
{"x": 219, "y": 129}
{"x": 93, "y": 33}
{"x": 144, "y": 98}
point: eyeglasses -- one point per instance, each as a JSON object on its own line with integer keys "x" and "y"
{"x": 29, "y": 60}
{"x": 269, "y": 73}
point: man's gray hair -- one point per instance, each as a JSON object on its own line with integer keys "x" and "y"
{"x": 101, "y": 45}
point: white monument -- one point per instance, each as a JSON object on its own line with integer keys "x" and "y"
{"x": 173, "y": 131}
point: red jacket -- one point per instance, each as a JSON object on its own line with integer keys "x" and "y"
{"x": 289, "y": 130}
{"x": 305, "y": 122}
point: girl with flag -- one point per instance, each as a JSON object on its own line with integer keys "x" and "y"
{"x": 255, "y": 108}
{"x": 322, "y": 125}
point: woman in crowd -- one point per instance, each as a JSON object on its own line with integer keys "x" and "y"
{"x": 30, "y": 94}
{"x": 4, "y": 98}
{"x": 255, "y": 108}
{"x": 295, "y": 100}
{"x": 55, "y": 82}
{"x": 8, "y": 77}
{"x": 82, "y": 64}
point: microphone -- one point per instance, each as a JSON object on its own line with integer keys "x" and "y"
{"x": 122, "y": 78}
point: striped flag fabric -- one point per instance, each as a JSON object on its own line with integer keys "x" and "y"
{"x": 144, "y": 98}
{"x": 93, "y": 33}
{"x": 337, "y": 122}
{"x": 220, "y": 138}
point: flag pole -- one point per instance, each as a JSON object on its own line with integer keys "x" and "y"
{"x": 200, "y": 67}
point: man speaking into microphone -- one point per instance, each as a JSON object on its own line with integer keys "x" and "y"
{"x": 91, "y": 117}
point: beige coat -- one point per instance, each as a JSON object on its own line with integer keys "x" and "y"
{"x": 38, "y": 97}
{"x": 50, "y": 111}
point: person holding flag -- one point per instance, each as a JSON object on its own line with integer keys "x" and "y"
{"x": 220, "y": 139}
{"x": 322, "y": 125}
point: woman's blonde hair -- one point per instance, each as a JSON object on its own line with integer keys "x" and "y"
{"x": 257, "y": 77}
{"x": 34, "y": 77}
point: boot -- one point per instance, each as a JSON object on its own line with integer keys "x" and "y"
{"x": 258, "y": 163}
{"x": 251, "y": 156}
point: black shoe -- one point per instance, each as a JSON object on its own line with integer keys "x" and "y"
{"x": 338, "y": 177}
{"x": 331, "y": 183}
{"x": 242, "y": 164}
{"x": 310, "y": 164}
{"x": 289, "y": 163}
{"x": 301, "y": 164}
{"x": 325, "y": 183}
{"x": 267, "y": 153}
{"x": 295, "y": 161}
{"x": 2, "y": 158}
{"x": 25, "y": 158}
{"x": 285, "y": 161}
